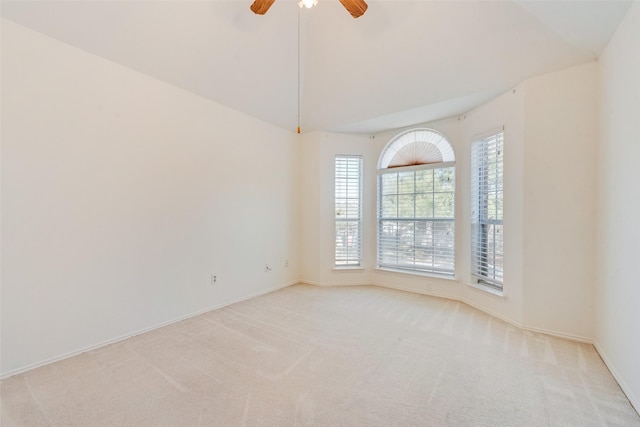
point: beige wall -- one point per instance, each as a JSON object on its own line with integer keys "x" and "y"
{"x": 121, "y": 195}
{"x": 618, "y": 241}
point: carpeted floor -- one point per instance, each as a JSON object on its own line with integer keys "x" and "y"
{"x": 348, "y": 356}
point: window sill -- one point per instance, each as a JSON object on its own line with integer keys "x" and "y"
{"x": 416, "y": 273}
{"x": 487, "y": 289}
{"x": 347, "y": 268}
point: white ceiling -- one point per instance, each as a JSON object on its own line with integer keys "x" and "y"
{"x": 403, "y": 62}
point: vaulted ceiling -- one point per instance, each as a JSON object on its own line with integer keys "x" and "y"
{"x": 403, "y": 62}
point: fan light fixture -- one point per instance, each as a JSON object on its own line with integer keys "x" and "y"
{"x": 307, "y": 3}
{"x": 356, "y": 8}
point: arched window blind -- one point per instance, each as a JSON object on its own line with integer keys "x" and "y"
{"x": 416, "y": 147}
{"x": 416, "y": 203}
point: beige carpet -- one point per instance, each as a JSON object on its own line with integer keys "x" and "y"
{"x": 302, "y": 356}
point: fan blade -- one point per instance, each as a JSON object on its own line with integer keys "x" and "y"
{"x": 356, "y": 8}
{"x": 260, "y": 7}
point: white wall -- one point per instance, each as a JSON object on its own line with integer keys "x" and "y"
{"x": 318, "y": 151}
{"x": 550, "y": 126}
{"x": 561, "y": 133}
{"x": 121, "y": 195}
{"x": 618, "y": 241}
{"x": 505, "y": 111}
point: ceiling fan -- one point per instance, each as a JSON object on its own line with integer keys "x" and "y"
{"x": 356, "y": 8}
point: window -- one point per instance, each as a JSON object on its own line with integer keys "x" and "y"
{"x": 416, "y": 204}
{"x": 348, "y": 211}
{"x": 487, "y": 209}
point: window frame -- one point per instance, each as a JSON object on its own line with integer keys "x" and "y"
{"x": 487, "y": 231}
{"x": 348, "y": 262}
{"x": 405, "y": 268}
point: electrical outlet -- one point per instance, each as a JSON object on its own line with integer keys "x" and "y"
{"x": 214, "y": 279}
{"x": 286, "y": 263}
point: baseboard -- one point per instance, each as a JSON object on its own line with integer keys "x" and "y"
{"x": 325, "y": 284}
{"x": 633, "y": 399}
{"x": 465, "y": 301}
{"x": 528, "y": 328}
{"x": 571, "y": 337}
{"x": 490, "y": 312}
{"x": 417, "y": 291}
{"x": 5, "y": 375}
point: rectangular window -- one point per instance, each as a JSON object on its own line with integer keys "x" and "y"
{"x": 348, "y": 211}
{"x": 416, "y": 219}
{"x": 487, "y": 209}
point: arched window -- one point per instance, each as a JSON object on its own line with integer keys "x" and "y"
{"x": 416, "y": 203}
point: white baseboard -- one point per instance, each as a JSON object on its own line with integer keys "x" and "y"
{"x": 418, "y": 291}
{"x": 29, "y": 367}
{"x": 633, "y": 399}
{"x": 325, "y": 284}
{"x": 465, "y": 301}
{"x": 528, "y": 328}
{"x": 491, "y": 313}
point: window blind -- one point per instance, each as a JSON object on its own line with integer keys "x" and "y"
{"x": 416, "y": 219}
{"x": 348, "y": 211}
{"x": 487, "y": 156}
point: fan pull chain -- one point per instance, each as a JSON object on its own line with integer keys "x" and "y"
{"x": 298, "y": 70}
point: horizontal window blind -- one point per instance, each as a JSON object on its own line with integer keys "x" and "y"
{"x": 348, "y": 211}
{"x": 487, "y": 209}
{"x": 416, "y": 219}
